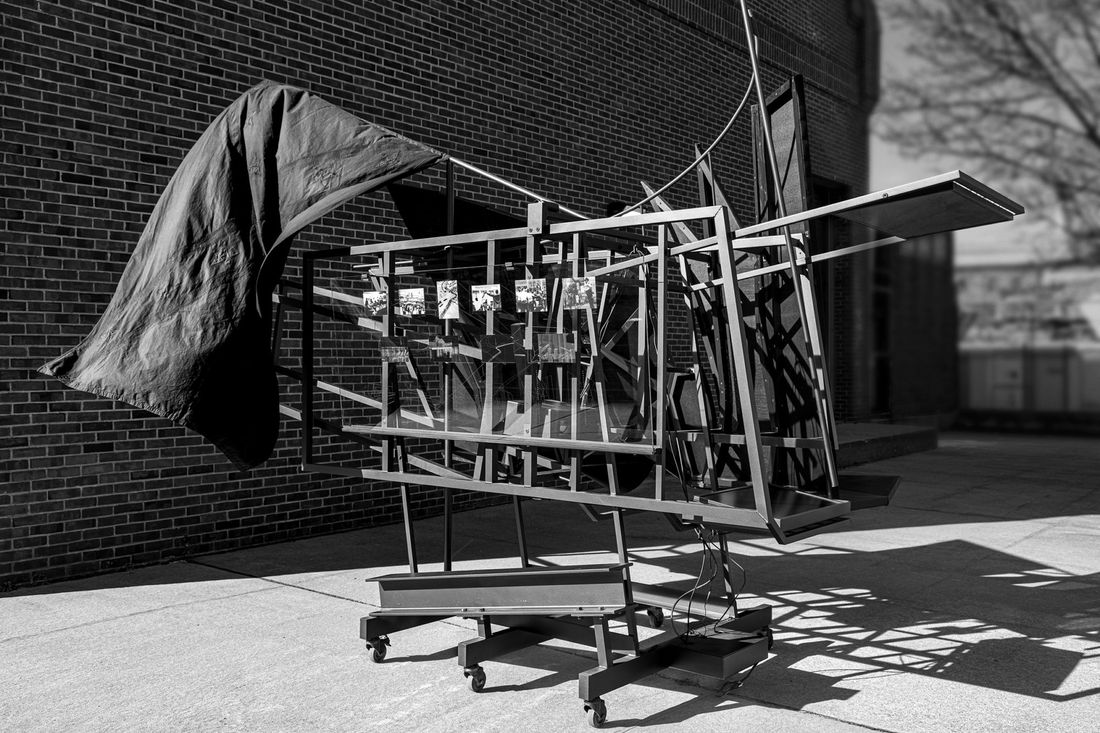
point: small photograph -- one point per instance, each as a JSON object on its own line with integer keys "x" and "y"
{"x": 531, "y": 295}
{"x": 376, "y": 302}
{"x": 394, "y": 352}
{"x": 556, "y": 348}
{"x": 578, "y": 292}
{"x": 443, "y": 348}
{"x": 410, "y": 301}
{"x": 498, "y": 349}
{"x": 446, "y": 297}
{"x": 486, "y": 297}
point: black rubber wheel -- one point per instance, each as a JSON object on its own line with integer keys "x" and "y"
{"x": 771, "y": 637}
{"x": 475, "y": 678}
{"x": 377, "y": 650}
{"x": 596, "y": 711}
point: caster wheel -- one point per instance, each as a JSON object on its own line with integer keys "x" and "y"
{"x": 378, "y": 648}
{"x": 656, "y": 617}
{"x": 475, "y": 678}
{"x": 596, "y": 710}
{"x": 771, "y": 637}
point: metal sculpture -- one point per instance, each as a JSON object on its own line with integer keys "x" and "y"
{"x": 553, "y": 378}
{"x": 531, "y": 358}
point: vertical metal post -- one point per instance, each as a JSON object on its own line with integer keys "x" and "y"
{"x": 537, "y": 223}
{"x": 727, "y": 572}
{"x": 521, "y": 532}
{"x": 448, "y": 367}
{"x": 448, "y": 385}
{"x": 277, "y": 323}
{"x": 307, "y": 359}
{"x": 603, "y": 643}
{"x": 739, "y": 353}
{"x": 808, "y": 322}
{"x": 624, "y": 557}
{"x": 448, "y": 524}
{"x": 661, "y": 402}
{"x": 577, "y": 256}
{"x": 450, "y": 171}
{"x": 487, "y": 457}
{"x": 410, "y": 537}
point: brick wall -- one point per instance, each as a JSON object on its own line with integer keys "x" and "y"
{"x": 101, "y": 100}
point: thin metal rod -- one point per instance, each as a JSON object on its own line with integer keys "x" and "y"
{"x": 410, "y": 532}
{"x": 521, "y": 533}
{"x": 515, "y": 187}
{"x": 702, "y": 156}
{"x": 448, "y": 531}
{"x": 448, "y": 367}
{"x": 307, "y": 360}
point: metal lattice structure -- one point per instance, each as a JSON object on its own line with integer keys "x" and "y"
{"x": 542, "y": 369}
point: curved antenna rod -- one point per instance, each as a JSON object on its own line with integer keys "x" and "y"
{"x": 702, "y": 155}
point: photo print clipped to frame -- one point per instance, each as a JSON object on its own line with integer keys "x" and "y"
{"x": 410, "y": 301}
{"x": 447, "y": 304}
{"x": 556, "y": 348}
{"x": 376, "y": 302}
{"x": 443, "y": 348}
{"x": 394, "y": 351}
{"x": 531, "y": 295}
{"x": 486, "y": 297}
{"x": 578, "y": 293}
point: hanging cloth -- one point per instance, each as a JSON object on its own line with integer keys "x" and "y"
{"x": 187, "y": 333}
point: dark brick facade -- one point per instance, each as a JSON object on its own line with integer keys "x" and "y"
{"x": 101, "y": 101}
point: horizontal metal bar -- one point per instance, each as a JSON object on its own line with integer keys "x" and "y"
{"x": 830, "y": 255}
{"x": 905, "y": 189}
{"x": 447, "y": 240}
{"x": 717, "y": 514}
{"x": 844, "y": 251}
{"x": 623, "y": 265}
{"x": 476, "y": 651}
{"x": 641, "y": 449}
{"x": 496, "y": 576}
{"x": 355, "y": 397}
{"x": 577, "y": 632}
{"x": 380, "y": 624}
{"x": 635, "y": 220}
{"x": 320, "y": 254}
{"x": 775, "y": 441}
{"x": 746, "y": 243}
{"x": 337, "y": 295}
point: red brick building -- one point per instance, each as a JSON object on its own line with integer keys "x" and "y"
{"x": 576, "y": 100}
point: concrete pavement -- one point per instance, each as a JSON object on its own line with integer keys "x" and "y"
{"x": 971, "y": 604}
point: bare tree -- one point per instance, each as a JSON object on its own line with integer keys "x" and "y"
{"x": 1013, "y": 88}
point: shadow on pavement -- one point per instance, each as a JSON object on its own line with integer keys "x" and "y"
{"x": 923, "y": 588}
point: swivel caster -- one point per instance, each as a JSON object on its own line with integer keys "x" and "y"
{"x": 770, "y": 636}
{"x": 596, "y": 710}
{"x": 656, "y": 617}
{"x": 475, "y": 677}
{"x": 378, "y": 647}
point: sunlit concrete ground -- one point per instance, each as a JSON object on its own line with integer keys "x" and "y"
{"x": 971, "y": 604}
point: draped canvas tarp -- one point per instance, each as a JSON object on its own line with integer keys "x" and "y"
{"x": 187, "y": 333}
